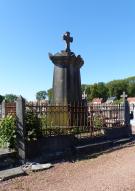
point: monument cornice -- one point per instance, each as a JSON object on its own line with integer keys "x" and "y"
{"x": 66, "y": 58}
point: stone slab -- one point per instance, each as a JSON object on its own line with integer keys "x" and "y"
{"x": 36, "y": 167}
{"x": 11, "y": 173}
{"x": 122, "y": 141}
{"x": 4, "y": 151}
{"x": 92, "y": 145}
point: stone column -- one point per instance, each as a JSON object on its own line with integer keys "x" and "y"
{"x": 20, "y": 129}
{"x": 60, "y": 84}
{"x": 66, "y": 78}
{"x": 126, "y": 113}
{"x": 127, "y": 117}
{"x": 74, "y": 80}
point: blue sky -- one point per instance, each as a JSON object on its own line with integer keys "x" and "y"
{"x": 103, "y": 32}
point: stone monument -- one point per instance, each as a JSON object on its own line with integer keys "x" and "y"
{"x": 66, "y": 76}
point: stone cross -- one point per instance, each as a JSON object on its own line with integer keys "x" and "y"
{"x": 84, "y": 95}
{"x": 68, "y": 40}
{"x": 126, "y": 113}
{"x": 124, "y": 96}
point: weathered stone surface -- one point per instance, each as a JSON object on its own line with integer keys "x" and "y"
{"x": 21, "y": 131}
{"x": 11, "y": 173}
{"x": 5, "y": 151}
{"x": 66, "y": 76}
{"x": 36, "y": 167}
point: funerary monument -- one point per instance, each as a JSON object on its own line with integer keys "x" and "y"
{"x": 66, "y": 76}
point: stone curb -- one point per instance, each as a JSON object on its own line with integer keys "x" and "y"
{"x": 11, "y": 173}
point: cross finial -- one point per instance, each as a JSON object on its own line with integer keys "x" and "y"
{"x": 68, "y": 40}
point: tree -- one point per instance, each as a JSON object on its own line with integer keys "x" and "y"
{"x": 105, "y": 90}
{"x": 102, "y": 90}
{"x": 50, "y": 94}
{"x": 10, "y": 97}
{"x": 131, "y": 86}
{"x": 94, "y": 91}
{"x": 131, "y": 90}
{"x": 87, "y": 89}
{"x": 83, "y": 87}
{"x": 41, "y": 95}
{"x": 1, "y": 98}
{"x": 88, "y": 92}
{"x": 116, "y": 87}
{"x": 97, "y": 90}
{"x": 131, "y": 79}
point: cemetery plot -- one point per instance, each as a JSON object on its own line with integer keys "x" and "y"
{"x": 79, "y": 120}
{"x": 76, "y": 119}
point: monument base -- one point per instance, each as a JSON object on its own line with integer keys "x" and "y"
{"x": 58, "y": 116}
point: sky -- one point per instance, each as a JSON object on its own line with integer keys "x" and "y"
{"x": 103, "y": 34}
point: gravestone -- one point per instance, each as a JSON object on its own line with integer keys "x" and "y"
{"x": 126, "y": 109}
{"x": 66, "y": 76}
{"x": 126, "y": 113}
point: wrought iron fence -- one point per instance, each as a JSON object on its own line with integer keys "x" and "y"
{"x": 74, "y": 119}
{"x": 78, "y": 119}
{"x": 10, "y": 108}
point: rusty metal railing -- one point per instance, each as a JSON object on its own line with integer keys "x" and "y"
{"x": 77, "y": 119}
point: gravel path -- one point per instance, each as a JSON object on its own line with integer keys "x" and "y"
{"x": 113, "y": 171}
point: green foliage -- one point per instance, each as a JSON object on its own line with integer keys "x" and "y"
{"x": 118, "y": 101}
{"x": 52, "y": 123}
{"x": 102, "y": 90}
{"x": 131, "y": 79}
{"x": 10, "y": 97}
{"x": 43, "y": 121}
{"x": 105, "y": 90}
{"x": 97, "y": 90}
{"x": 8, "y": 131}
{"x": 32, "y": 123}
{"x": 88, "y": 92}
{"x": 83, "y": 87}
{"x": 94, "y": 91}
{"x": 131, "y": 90}
{"x": 112, "y": 88}
{"x": 1, "y": 98}
{"x": 41, "y": 95}
{"x": 98, "y": 122}
{"x": 49, "y": 94}
{"x": 117, "y": 87}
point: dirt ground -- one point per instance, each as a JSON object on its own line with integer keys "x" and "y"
{"x": 113, "y": 171}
